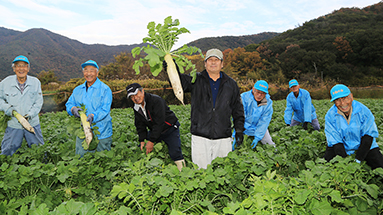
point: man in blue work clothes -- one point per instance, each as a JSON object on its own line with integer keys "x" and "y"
{"x": 299, "y": 102}
{"x": 97, "y": 98}
{"x": 258, "y": 109}
{"x": 21, "y": 93}
{"x": 350, "y": 128}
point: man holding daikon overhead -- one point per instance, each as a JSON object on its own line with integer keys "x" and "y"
{"x": 97, "y": 98}
{"x": 215, "y": 99}
{"x": 21, "y": 97}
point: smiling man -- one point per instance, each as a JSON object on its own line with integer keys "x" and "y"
{"x": 350, "y": 128}
{"x": 21, "y": 93}
{"x": 97, "y": 98}
{"x": 215, "y": 101}
{"x": 299, "y": 107}
{"x": 258, "y": 112}
{"x": 151, "y": 113}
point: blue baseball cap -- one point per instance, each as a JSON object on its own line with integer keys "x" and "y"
{"x": 339, "y": 91}
{"x": 89, "y": 63}
{"x": 293, "y": 83}
{"x": 21, "y": 58}
{"x": 262, "y": 86}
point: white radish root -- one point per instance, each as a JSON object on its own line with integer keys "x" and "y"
{"x": 174, "y": 78}
{"x": 87, "y": 129}
{"x": 23, "y": 122}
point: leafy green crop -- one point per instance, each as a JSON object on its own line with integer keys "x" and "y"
{"x": 161, "y": 39}
{"x": 295, "y": 179}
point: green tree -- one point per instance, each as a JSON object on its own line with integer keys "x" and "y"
{"x": 46, "y": 77}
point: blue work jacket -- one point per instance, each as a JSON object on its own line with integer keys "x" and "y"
{"x": 362, "y": 122}
{"x": 29, "y": 102}
{"x": 97, "y": 101}
{"x": 302, "y": 107}
{"x": 257, "y": 117}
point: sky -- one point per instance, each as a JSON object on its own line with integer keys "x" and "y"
{"x": 123, "y": 22}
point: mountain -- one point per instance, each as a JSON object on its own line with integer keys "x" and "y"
{"x": 232, "y": 42}
{"x": 49, "y": 51}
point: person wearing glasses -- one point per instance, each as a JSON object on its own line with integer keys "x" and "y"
{"x": 299, "y": 108}
{"x": 97, "y": 98}
{"x": 258, "y": 109}
{"x": 21, "y": 93}
{"x": 350, "y": 129}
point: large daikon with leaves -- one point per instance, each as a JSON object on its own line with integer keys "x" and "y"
{"x": 161, "y": 39}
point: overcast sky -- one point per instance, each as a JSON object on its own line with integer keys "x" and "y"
{"x": 117, "y": 22}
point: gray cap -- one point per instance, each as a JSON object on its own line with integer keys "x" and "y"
{"x": 214, "y": 53}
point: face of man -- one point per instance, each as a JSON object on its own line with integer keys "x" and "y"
{"x": 21, "y": 69}
{"x": 295, "y": 89}
{"x": 139, "y": 98}
{"x": 258, "y": 95}
{"x": 344, "y": 104}
{"x": 213, "y": 65}
{"x": 90, "y": 74}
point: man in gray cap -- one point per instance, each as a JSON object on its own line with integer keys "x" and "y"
{"x": 21, "y": 93}
{"x": 215, "y": 98}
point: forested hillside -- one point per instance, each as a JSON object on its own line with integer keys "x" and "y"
{"x": 49, "y": 51}
{"x": 345, "y": 45}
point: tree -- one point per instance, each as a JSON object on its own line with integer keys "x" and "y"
{"x": 241, "y": 62}
{"x": 46, "y": 77}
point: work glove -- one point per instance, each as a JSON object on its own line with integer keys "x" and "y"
{"x": 27, "y": 117}
{"x": 75, "y": 111}
{"x": 238, "y": 139}
{"x": 254, "y": 143}
{"x": 305, "y": 125}
{"x": 165, "y": 65}
{"x": 90, "y": 118}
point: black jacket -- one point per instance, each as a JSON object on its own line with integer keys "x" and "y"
{"x": 159, "y": 118}
{"x": 210, "y": 122}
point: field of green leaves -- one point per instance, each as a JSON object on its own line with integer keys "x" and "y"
{"x": 294, "y": 179}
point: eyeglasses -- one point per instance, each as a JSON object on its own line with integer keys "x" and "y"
{"x": 21, "y": 65}
{"x": 342, "y": 99}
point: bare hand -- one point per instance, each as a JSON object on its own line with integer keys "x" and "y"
{"x": 149, "y": 147}
{"x": 142, "y": 145}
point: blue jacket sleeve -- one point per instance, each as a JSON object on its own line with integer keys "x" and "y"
{"x": 4, "y": 106}
{"x": 71, "y": 103}
{"x": 368, "y": 126}
{"x": 333, "y": 135}
{"x": 288, "y": 111}
{"x": 307, "y": 107}
{"x": 38, "y": 101}
{"x": 264, "y": 121}
{"x": 104, "y": 110}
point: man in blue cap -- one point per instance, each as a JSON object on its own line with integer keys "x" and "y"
{"x": 21, "y": 93}
{"x": 350, "y": 129}
{"x": 258, "y": 109}
{"x": 298, "y": 102}
{"x": 97, "y": 98}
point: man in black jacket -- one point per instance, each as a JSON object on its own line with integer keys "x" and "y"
{"x": 215, "y": 98}
{"x": 151, "y": 112}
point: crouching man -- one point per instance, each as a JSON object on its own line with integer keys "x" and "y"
{"x": 350, "y": 128}
{"x": 151, "y": 112}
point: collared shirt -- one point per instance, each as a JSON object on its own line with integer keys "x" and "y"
{"x": 22, "y": 86}
{"x": 141, "y": 109}
{"x": 214, "y": 85}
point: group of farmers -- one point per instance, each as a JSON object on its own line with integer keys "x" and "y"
{"x": 220, "y": 115}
